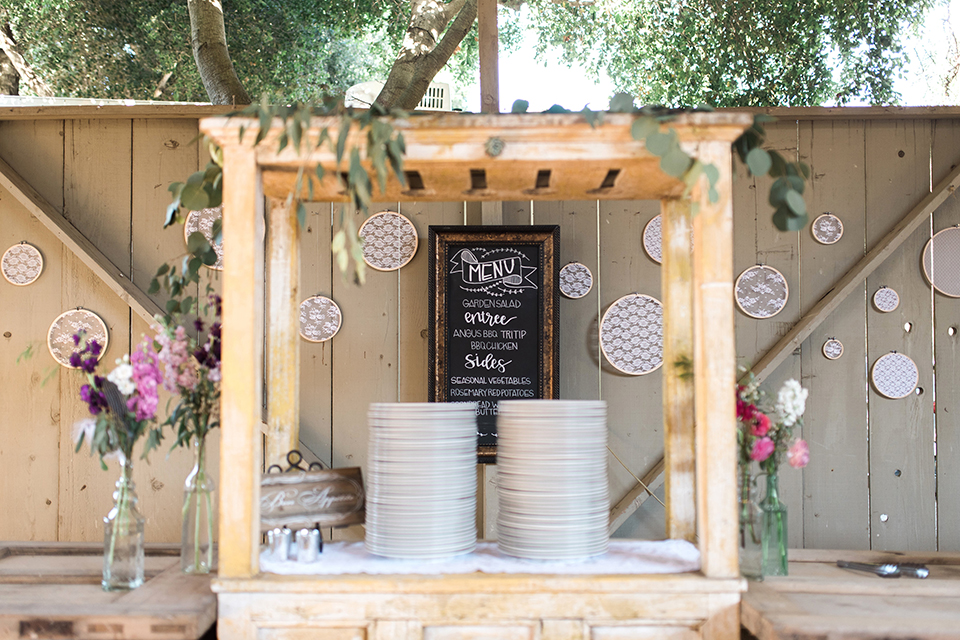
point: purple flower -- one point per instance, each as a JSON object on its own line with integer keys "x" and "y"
{"x": 89, "y": 365}
{"x": 198, "y": 324}
{"x": 94, "y": 347}
{"x": 76, "y": 338}
{"x": 75, "y": 361}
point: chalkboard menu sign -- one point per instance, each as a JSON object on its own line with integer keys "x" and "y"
{"x": 495, "y": 319}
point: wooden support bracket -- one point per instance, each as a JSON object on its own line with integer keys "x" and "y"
{"x": 78, "y": 243}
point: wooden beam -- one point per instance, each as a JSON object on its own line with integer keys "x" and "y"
{"x": 489, "y": 56}
{"x": 676, "y": 283}
{"x": 78, "y": 243}
{"x": 638, "y": 495}
{"x": 857, "y": 274}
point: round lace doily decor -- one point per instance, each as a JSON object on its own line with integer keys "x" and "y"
{"x": 66, "y": 325}
{"x": 894, "y": 375}
{"x": 203, "y": 221}
{"x": 21, "y": 264}
{"x": 941, "y": 262}
{"x": 389, "y": 241}
{"x": 631, "y": 334}
{"x": 886, "y": 299}
{"x": 832, "y": 349}
{"x": 576, "y": 280}
{"x": 320, "y": 319}
{"x": 761, "y": 292}
{"x": 827, "y": 228}
{"x": 653, "y": 239}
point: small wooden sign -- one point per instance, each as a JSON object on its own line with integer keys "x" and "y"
{"x": 328, "y": 498}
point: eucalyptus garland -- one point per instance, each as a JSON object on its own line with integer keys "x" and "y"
{"x": 385, "y": 149}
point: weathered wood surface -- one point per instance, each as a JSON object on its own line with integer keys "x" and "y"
{"x": 53, "y": 591}
{"x": 820, "y": 600}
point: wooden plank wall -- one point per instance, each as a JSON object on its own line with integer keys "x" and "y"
{"x": 110, "y": 179}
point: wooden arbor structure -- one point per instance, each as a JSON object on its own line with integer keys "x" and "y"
{"x": 543, "y": 157}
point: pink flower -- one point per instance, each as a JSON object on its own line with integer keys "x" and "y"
{"x": 762, "y": 449}
{"x": 146, "y": 375}
{"x": 746, "y": 411}
{"x": 798, "y": 455}
{"x": 762, "y": 425}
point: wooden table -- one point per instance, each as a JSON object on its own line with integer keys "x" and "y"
{"x": 820, "y": 600}
{"x": 52, "y": 591}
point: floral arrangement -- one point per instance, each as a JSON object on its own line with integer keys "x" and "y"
{"x": 116, "y": 426}
{"x": 767, "y": 440}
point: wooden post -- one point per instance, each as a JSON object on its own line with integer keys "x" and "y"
{"x": 678, "y": 411}
{"x": 283, "y": 332}
{"x": 714, "y": 370}
{"x": 489, "y": 52}
{"x": 241, "y": 389}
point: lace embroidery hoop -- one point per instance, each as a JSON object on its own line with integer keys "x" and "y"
{"x": 653, "y": 239}
{"x": 827, "y": 229}
{"x": 389, "y": 240}
{"x": 631, "y": 334}
{"x": 320, "y": 319}
{"x": 576, "y": 280}
{"x": 203, "y": 221}
{"x": 761, "y": 292}
{"x": 941, "y": 262}
{"x": 886, "y": 299}
{"x": 832, "y": 349}
{"x": 894, "y": 375}
{"x": 64, "y": 326}
{"x": 21, "y": 264}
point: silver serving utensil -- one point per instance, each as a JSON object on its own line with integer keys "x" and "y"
{"x": 914, "y": 570}
{"x": 885, "y": 570}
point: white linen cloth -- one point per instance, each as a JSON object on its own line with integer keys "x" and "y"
{"x": 623, "y": 557}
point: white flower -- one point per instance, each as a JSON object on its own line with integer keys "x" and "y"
{"x": 791, "y": 402}
{"x": 85, "y": 428}
{"x": 122, "y": 376}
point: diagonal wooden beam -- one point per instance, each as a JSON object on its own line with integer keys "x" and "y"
{"x": 637, "y": 496}
{"x": 857, "y": 274}
{"x": 78, "y": 243}
{"x": 812, "y": 319}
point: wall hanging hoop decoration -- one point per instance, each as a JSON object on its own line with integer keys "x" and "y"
{"x": 761, "y": 292}
{"x": 389, "y": 240}
{"x": 827, "y": 228}
{"x": 576, "y": 280}
{"x": 653, "y": 239}
{"x": 203, "y": 221}
{"x": 66, "y": 325}
{"x": 21, "y": 264}
{"x": 631, "y": 334}
{"x": 886, "y": 299}
{"x": 894, "y": 375}
{"x": 832, "y": 349}
{"x": 941, "y": 261}
{"x": 320, "y": 319}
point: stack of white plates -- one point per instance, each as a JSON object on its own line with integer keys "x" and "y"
{"x": 552, "y": 478}
{"x": 421, "y": 480}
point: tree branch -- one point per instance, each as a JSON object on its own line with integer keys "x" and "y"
{"x": 10, "y": 47}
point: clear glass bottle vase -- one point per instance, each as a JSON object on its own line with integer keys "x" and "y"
{"x": 199, "y": 515}
{"x": 774, "y": 514}
{"x": 751, "y": 517}
{"x": 123, "y": 535}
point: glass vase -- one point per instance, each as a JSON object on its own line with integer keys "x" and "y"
{"x": 751, "y": 551}
{"x": 774, "y": 514}
{"x": 199, "y": 515}
{"x": 123, "y": 535}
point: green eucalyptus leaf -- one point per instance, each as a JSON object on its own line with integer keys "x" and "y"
{"x": 301, "y": 213}
{"x": 319, "y": 171}
{"x": 712, "y": 173}
{"x": 659, "y": 143}
{"x": 778, "y": 191}
{"x": 643, "y": 127}
{"x": 282, "y": 142}
{"x": 193, "y": 274}
{"x": 621, "y": 103}
{"x": 779, "y": 165}
{"x": 759, "y": 162}
{"x": 593, "y": 118}
{"x": 519, "y": 106}
{"x": 214, "y": 195}
{"x": 781, "y": 218}
{"x": 795, "y": 202}
{"x": 675, "y": 163}
{"x": 154, "y": 287}
{"x": 796, "y": 182}
{"x": 557, "y": 109}
{"x": 342, "y": 138}
{"x": 266, "y": 119}
{"x": 173, "y": 306}
{"x": 197, "y": 242}
{"x": 804, "y": 170}
{"x": 186, "y": 304}
{"x": 209, "y": 257}
{"x": 163, "y": 269}
{"x": 194, "y": 197}
{"x": 713, "y": 195}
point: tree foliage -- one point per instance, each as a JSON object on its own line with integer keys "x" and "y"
{"x": 744, "y": 53}
{"x": 296, "y": 49}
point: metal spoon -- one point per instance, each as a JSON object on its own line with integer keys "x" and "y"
{"x": 886, "y": 570}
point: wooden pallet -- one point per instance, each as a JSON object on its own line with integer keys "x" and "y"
{"x": 52, "y": 591}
